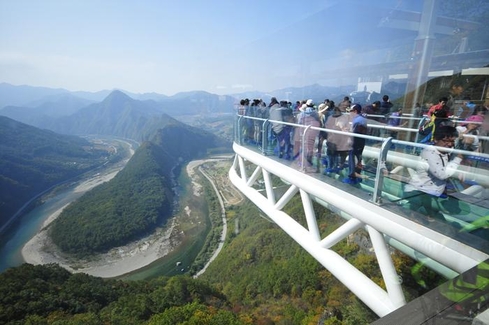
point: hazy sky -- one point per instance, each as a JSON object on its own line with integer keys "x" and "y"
{"x": 143, "y": 46}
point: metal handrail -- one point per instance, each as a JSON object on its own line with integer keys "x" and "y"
{"x": 386, "y": 144}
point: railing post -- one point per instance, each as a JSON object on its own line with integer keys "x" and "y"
{"x": 381, "y": 168}
{"x": 264, "y": 137}
{"x": 421, "y": 121}
{"x": 238, "y": 130}
{"x": 303, "y": 143}
{"x": 268, "y": 147}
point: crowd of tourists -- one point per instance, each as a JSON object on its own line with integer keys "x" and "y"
{"x": 321, "y": 149}
{"x": 331, "y": 138}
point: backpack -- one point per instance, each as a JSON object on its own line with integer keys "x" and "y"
{"x": 288, "y": 115}
{"x": 427, "y": 127}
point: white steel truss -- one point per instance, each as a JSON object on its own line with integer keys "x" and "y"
{"x": 384, "y": 228}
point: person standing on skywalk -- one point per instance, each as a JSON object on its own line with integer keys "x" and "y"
{"x": 427, "y": 185}
{"x": 358, "y": 126}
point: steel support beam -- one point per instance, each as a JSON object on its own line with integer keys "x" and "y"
{"x": 383, "y": 226}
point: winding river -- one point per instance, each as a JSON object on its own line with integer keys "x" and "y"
{"x": 28, "y": 226}
{"x": 22, "y": 230}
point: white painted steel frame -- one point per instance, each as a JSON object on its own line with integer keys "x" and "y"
{"x": 379, "y": 223}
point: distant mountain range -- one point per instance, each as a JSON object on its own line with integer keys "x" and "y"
{"x": 37, "y": 105}
{"x": 144, "y": 117}
{"x": 36, "y": 142}
{"x": 81, "y": 113}
{"x": 116, "y": 114}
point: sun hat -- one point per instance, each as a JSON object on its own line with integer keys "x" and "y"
{"x": 473, "y": 118}
{"x": 356, "y": 107}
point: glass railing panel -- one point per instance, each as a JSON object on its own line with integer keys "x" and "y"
{"x": 388, "y": 166}
{"x": 461, "y": 211}
{"x": 461, "y": 300}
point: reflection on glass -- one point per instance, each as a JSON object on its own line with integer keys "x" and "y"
{"x": 419, "y": 71}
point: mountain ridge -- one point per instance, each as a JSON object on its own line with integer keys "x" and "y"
{"x": 32, "y": 160}
{"x": 117, "y": 115}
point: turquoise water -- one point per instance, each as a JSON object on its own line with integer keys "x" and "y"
{"x": 21, "y": 231}
{"x": 188, "y": 250}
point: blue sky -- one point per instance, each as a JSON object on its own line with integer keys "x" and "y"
{"x": 223, "y": 47}
{"x": 144, "y": 46}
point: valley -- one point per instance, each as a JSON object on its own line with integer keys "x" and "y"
{"x": 186, "y": 226}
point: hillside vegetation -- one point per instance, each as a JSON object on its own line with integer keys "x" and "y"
{"x": 51, "y": 295}
{"x": 32, "y": 160}
{"x": 138, "y": 199}
{"x": 261, "y": 277}
{"x": 114, "y": 213}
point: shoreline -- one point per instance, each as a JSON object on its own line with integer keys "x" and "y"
{"x": 118, "y": 261}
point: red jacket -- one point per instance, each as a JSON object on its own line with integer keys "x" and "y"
{"x": 435, "y": 109}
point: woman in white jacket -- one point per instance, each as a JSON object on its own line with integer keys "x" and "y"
{"x": 427, "y": 186}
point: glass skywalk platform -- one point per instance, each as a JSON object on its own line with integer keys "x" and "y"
{"x": 460, "y": 235}
{"x": 387, "y": 165}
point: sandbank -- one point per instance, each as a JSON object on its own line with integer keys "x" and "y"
{"x": 119, "y": 260}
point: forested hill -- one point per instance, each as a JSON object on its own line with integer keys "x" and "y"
{"x": 117, "y": 115}
{"x": 186, "y": 142}
{"x": 137, "y": 199}
{"x": 51, "y": 295}
{"x": 32, "y": 160}
{"x": 261, "y": 277}
{"x": 129, "y": 206}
